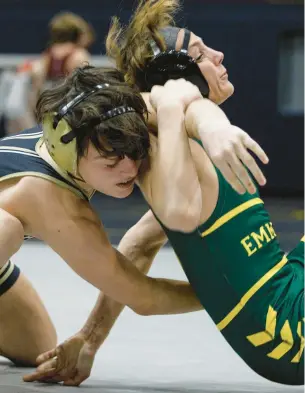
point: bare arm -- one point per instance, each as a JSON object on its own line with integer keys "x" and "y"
{"x": 226, "y": 144}
{"x": 202, "y": 116}
{"x": 72, "y": 360}
{"x": 83, "y": 244}
{"x": 74, "y": 231}
{"x": 140, "y": 245}
{"x": 172, "y": 187}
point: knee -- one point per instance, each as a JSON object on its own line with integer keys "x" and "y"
{"x": 22, "y": 363}
{"x": 28, "y": 358}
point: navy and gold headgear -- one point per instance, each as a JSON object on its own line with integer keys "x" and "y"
{"x": 60, "y": 138}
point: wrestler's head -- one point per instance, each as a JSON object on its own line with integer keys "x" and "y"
{"x": 95, "y": 130}
{"x": 150, "y": 51}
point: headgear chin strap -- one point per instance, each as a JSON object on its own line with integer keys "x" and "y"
{"x": 172, "y": 64}
{"x": 60, "y": 138}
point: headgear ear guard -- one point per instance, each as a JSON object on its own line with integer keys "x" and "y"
{"x": 172, "y": 64}
{"x": 60, "y": 138}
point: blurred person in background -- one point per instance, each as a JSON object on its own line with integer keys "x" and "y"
{"x": 70, "y": 36}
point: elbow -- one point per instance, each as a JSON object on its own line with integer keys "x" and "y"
{"x": 145, "y": 306}
{"x": 144, "y": 310}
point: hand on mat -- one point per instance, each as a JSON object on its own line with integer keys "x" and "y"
{"x": 177, "y": 91}
{"x": 228, "y": 146}
{"x": 70, "y": 362}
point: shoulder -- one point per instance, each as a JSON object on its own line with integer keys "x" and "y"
{"x": 37, "y": 195}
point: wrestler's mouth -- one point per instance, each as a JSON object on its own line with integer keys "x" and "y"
{"x": 127, "y": 183}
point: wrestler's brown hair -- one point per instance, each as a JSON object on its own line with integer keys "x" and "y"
{"x": 126, "y": 134}
{"x": 129, "y": 45}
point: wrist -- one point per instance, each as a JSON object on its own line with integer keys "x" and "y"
{"x": 213, "y": 126}
{"x": 93, "y": 342}
{"x": 170, "y": 106}
{"x": 93, "y": 337}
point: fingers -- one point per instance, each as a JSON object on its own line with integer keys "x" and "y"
{"x": 40, "y": 375}
{"x": 235, "y": 162}
{"x": 251, "y": 164}
{"x": 54, "y": 379}
{"x": 46, "y": 356}
{"x": 173, "y": 82}
{"x": 255, "y": 148}
{"x": 45, "y": 370}
{"x": 242, "y": 175}
{"x": 230, "y": 177}
{"x": 178, "y": 90}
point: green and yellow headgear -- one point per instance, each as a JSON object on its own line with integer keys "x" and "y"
{"x": 60, "y": 138}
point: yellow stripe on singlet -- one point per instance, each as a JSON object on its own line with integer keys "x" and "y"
{"x": 248, "y": 295}
{"x": 231, "y": 214}
{"x": 303, "y": 239}
{"x": 8, "y": 273}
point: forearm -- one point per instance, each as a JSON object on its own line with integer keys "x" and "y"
{"x": 175, "y": 186}
{"x": 180, "y": 299}
{"x": 202, "y": 117}
{"x": 160, "y": 296}
{"x": 140, "y": 245}
{"x": 106, "y": 310}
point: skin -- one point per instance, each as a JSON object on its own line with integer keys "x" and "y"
{"x": 75, "y": 232}
{"x": 105, "y": 175}
{"x": 111, "y": 176}
{"x": 210, "y": 63}
{"x": 70, "y": 366}
{"x": 75, "y": 357}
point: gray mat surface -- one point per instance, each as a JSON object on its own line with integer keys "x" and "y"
{"x": 143, "y": 354}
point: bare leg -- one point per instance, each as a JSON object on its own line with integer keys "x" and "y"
{"x": 25, "y": 326}
{"x": 26, "y": 329}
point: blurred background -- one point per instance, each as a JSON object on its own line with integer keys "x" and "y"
{"x": 263, "y": 43}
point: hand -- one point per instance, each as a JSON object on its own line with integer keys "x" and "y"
{"x": 228, "y": 146}
{"x": 173, "y": 92}
{"x": 70, "y": 362}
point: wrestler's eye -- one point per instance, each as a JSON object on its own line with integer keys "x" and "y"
{"x": 112, "y": 165}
